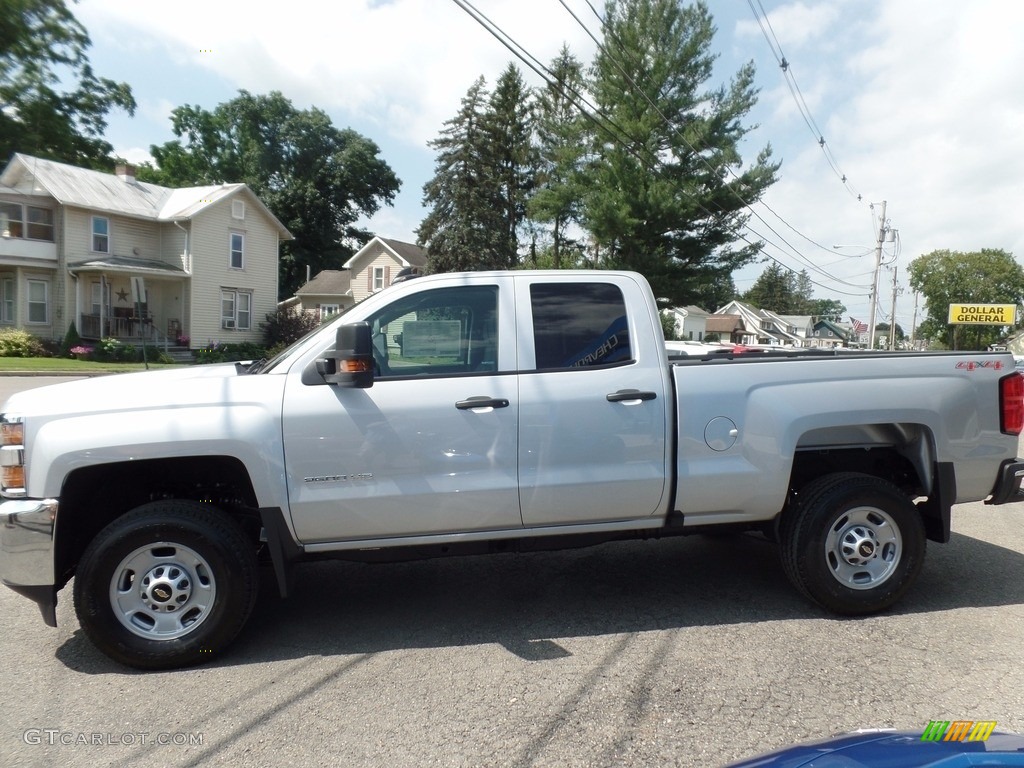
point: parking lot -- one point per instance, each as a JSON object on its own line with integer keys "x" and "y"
{"x": 689, "y": 652}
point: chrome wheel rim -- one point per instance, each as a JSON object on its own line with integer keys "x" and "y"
{"x": 163, "y": 591}
{"x": 863, "y": 548}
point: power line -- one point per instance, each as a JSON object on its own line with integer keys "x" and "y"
{"x": 798, "y": 97}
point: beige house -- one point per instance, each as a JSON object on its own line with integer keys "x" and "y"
{"x": 326, "y": 294}
{"x": 378, "y": 263}
{"x": 129, "y": 260}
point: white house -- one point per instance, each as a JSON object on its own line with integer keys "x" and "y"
{"x": 690, "y": 322}
{"x": 763, "y": 326}
{"x": 130, "y": 260}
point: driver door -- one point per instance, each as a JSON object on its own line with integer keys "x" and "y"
{"x": 431, "y": 447}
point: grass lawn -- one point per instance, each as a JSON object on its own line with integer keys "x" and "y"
{"x": 62, "y": 365}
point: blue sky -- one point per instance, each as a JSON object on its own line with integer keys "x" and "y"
{"x": 919, "y": 101}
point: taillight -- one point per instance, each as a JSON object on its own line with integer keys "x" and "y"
{"x": 1011, "y": 404}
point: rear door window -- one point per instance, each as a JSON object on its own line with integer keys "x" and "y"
{"x": 579, "y": 325}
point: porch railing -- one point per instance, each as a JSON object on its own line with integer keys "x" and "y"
{"x": 128, "y": 329}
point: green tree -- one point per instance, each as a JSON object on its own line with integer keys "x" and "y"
{"x": 52, "y": 104}
{"x": 774, "y": 290}
{"x": 465, "y": 228}
{"x": 803, "y": 293}
{"x": 988, "y": 276}
{"x": 827, "y": 309}
{"x": 882, "y": 330}
{"x": 317, "y": 179}
{"x": 512, "y": 154}
{"x": 666, "y": 189}
{"x": 559, "y": 129}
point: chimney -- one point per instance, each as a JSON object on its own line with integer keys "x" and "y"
{"x": 125, "y": 173}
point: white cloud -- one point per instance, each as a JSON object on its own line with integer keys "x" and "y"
{"x": 407, "y": 59}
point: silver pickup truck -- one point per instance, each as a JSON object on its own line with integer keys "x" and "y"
{"x": 476, "y": 413}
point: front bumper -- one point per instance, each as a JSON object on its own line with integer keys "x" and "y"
{"x": 26, "y": 551}
{"x": 1008, "y": 485}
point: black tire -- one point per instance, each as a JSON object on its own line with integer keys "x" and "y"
{"x": 170, "y": 584}
{"x": 852, "y": 543}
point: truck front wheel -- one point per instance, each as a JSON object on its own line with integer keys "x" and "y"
{"x": 167, "y": 585}
{"x": 852, "y": 543}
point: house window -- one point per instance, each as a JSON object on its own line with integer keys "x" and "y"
{"x": 235, "y": 309}
{"x": 237, "y": 209}
{"x": 326, "y": 310}
{"x": 237, "y": 250}
{"x": 40, "y": 223}
{"x": 7, "y": 300}
{"x": 10, "y": 220}
{"x": 100, "y": 234}
{"x": 29, "y": 221}
{"x": 38, "y": 301}
{"x": 378, "y": 278}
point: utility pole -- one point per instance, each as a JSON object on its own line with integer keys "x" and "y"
{"x": 913, "y": 325}
{"x": 892, "y": 324}
{"x": 874, "y": 282}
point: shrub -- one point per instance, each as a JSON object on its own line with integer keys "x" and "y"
{"x": 71, "y": 339}
{"x": 227, "y": 353}
{"x": 113, "y": 351}
{"x": 17, "y": 343}
{"x": 287, "y": 325}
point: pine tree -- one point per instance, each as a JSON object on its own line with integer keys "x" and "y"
{"x": 465, "y": 228}
{"x": 774, "y": 290}
{"x": 561, "y": 151}
{"x": 665, "y": 191}
{"x": 512, "y": 155}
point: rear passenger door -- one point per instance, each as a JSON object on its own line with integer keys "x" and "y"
{"x": 592, "y": 396}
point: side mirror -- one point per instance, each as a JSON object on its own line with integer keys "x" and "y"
{"x": 351, "y": 364}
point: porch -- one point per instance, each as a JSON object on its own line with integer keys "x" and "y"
{"x": 132, "y": 300}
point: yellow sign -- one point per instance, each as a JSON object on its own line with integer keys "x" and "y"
{"x": 983, "y": 314}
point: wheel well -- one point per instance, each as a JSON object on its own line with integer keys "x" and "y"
{"x": 903, "y": 454}
{"x": 885, "y": 462}
{"x": 92, "y": 497}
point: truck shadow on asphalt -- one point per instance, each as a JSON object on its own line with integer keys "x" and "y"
{"x": 524, "y": 602}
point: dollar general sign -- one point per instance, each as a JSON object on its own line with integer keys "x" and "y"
{"x": 983, "y": 314}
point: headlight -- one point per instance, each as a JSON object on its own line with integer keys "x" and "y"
{"x": 12, "y": 455}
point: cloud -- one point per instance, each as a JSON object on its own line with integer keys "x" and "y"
{"x": 403, "y": 65}
{"x": 921, "y": 108}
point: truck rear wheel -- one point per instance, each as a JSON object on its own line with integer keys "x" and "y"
{"x": 167, "y": 585}
{"x": 852, "y": 543}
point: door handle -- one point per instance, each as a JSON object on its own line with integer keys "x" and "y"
{"x": 481, "y": 401}
{"x": 630, "y": 394}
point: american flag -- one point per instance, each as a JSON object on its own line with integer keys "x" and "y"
{"x": 858, "y": 326}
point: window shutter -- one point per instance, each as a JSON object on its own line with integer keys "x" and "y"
{"x": 387, "y": 275}
{"x": 369, "y": 279}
